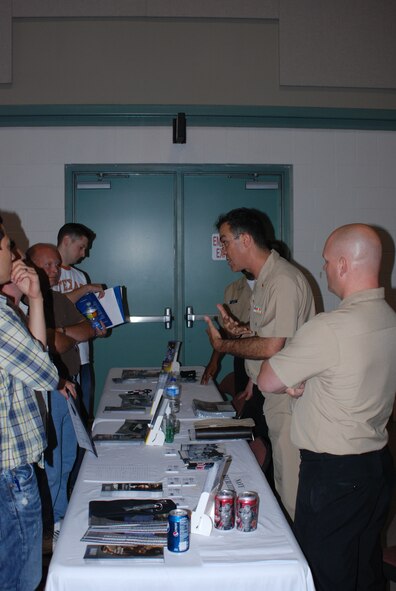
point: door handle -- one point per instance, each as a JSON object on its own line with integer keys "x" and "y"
{"x": 167, "y": 318}
{"x": 190, "y": 317}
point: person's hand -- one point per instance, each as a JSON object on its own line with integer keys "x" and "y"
{"x": 101, "y": 332}
{"x": 214, "y": 334}
{"x": 67, "y": 388}
{"x": 95, "y": 288}
{"x": 297, "y": 391}
{"x": 247, "y": 393}
{"x": 232, "y": 327}
{"x": 26, "y": 279}
{"x": 209, "y": 372}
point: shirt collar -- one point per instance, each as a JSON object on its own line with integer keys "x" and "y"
{"x": 366, "y": 295}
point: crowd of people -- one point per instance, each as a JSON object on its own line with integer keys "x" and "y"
{"x": 40, "y": 367}
{"x": 320, "y": 388}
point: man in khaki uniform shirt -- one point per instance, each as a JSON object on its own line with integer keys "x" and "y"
{"x": 281, "y": 302}
{"x": 347, "y": 359}
{"x": 237, "y": 297}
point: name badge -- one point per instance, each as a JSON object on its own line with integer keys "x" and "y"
{"x": 257, "y": 310}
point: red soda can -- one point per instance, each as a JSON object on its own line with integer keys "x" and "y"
{"x": 224, "y": 516}
{"x": 247, "y": 511}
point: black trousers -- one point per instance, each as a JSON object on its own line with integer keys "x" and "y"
{"x": 342, "y": 506}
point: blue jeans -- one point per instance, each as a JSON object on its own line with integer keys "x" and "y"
{"x": 60, "y": 454}
{"x": 20, "y": 530}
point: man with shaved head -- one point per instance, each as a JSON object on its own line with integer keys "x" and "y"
{"x": 340, "y": 368}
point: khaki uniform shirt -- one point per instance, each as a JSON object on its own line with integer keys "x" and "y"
{"x": 237, "y": 299}
{"x": 348, "y": 359}
{"x": 281, "y": 302}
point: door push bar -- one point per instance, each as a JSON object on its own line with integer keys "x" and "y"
{"x": 190, "y": 317}
{"x": 167, "y": 318}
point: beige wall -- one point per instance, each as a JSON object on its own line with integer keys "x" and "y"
{"x": 234, "y": 52}
{"x": 338, "y": 176}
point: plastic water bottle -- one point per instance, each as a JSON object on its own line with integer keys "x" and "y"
{"x": 172, "y": 393}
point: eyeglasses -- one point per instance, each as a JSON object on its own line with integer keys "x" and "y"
{"x": 226, "y": 243}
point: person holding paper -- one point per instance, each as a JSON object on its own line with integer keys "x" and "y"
{"x": 74, "y": 241}
{"x": 66, "y": 327}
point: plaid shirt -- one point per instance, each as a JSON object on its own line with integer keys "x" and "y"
{"x": 24, "y": 367}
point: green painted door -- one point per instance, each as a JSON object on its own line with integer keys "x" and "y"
{"x": 156, "y": 235}
{"x": 205, "y": 275}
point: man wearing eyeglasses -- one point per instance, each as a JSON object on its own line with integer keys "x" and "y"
{"x": 282, "y": 301}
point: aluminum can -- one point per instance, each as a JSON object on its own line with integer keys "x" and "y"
{"x": 247, "y": 506}
{"x": 224, "y": 515}
{"x": 178, "y": 530}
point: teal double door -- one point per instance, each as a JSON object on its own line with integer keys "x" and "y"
{"x": 155, "y": 234}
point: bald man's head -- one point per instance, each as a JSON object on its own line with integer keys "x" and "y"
{"x": 352, "y": 256}
{"x": 46, "y": 257}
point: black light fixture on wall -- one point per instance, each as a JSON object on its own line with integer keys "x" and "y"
{"x": 179, "y": 129}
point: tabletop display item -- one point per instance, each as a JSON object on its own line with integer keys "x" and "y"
{"x": 119, "y": 552}
{"x": 205, "y": 409}
{"x": 143, "y": 514}
{"x": 130, "y": 431}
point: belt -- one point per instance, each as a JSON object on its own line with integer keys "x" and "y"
{"x": 312, "y": 456}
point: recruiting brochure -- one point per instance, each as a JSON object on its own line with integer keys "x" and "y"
{"x": 130, "y": 430}
{"x": 122, "y": 487}
{"x": 202, "y": 408}
{"x": 109, "y": 308}
{"x": 143, "y": 514}
{"x": 109, "y": 551}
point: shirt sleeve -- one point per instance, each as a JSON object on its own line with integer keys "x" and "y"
{"x": 281, "y": 310}
{"x": 23, "y": 357}
{"x": 312, "y": 350}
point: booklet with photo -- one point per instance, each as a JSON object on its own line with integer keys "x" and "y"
{"x": 109, "y": 309}
{"x": 130, "y": 430}
{"x": 124, "y": 538}
{"x": 201, "y": 454}
{"x": 141, "y": 513}
{"x": 130, "y": 406}
{"x": 202, "y": 408}
{"x": 137, "y": 374}
{"x": 121, "y": 487}
{"x": 139, "y": 551}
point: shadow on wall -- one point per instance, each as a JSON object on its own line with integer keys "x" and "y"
{"x": 13, "y": 225}
{"x": 388, "y": 261}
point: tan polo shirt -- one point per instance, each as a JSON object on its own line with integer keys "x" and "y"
{"x": 282, "y": 301}
{"x": 348, "y": 358}
{"x": 237, "y": 297}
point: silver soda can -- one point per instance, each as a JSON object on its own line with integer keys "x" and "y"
{"x": 178, "y": 530}
{"x": 224, "y": 514}
{"x": 247, "y": 506}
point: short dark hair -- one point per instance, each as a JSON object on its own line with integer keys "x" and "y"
{"x": 76, "y": 231}
{"x": 250, "y": 221}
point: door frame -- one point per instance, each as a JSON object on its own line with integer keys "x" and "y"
{"x": 284, "y": 172}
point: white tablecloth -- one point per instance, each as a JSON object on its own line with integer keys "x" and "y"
{"x": 266, "y": 559}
